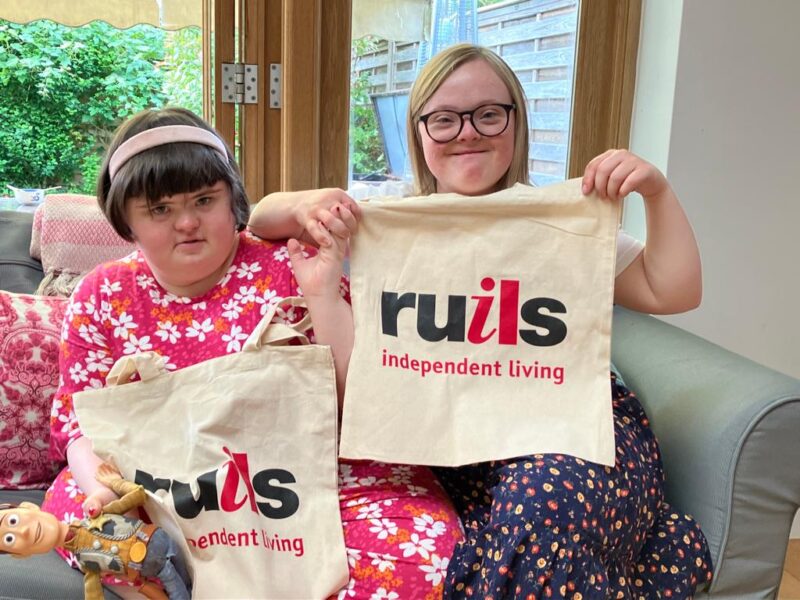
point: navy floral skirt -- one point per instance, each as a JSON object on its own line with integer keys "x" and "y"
{"x": 555, "y": 526}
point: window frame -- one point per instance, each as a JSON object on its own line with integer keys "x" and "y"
{"x": 312, "y": 136}
{"x": 605, "y": 77}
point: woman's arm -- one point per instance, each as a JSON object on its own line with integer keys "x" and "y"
{"x": 84, "y": 362}
{"x": 320, "y": 277}
{"x": 305, "y": 215}
{"x": 666, "y": 277}
{"x": 83, "y": 463}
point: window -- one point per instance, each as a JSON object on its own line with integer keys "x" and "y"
{"x": 71, "y": 72}
{"x": 305, "y": 143}
{"x": 539, "y": 40}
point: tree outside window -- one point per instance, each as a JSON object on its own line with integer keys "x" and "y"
{"x": 64, "y": 90}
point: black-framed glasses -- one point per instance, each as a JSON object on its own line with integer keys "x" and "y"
{"x": 488, "y": 119}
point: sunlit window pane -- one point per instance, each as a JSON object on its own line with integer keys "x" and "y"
{"x": 64, "y": 90}
{"x": 536, "y": 38}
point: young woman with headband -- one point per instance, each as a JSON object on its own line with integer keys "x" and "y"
{"x": 196, "y": 286}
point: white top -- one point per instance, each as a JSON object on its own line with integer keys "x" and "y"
{"x": 628, "y": 247}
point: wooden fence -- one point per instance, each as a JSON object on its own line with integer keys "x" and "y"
{"x": 537, "y": 39}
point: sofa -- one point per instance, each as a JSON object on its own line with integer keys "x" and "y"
{"x": 729, "y": 431}
{"x": 43, "y": 576}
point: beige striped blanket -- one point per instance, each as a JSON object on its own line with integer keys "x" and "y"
{"x": 71, "y": 236}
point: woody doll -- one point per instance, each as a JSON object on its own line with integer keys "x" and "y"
{"x": 110, "y": 542}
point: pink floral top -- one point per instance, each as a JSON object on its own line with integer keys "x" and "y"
{"x": 119, "y": 309}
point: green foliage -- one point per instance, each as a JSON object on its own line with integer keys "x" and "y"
{"x": 365, "y": 139}
{"x": 183, "y": 69}
{"x": 64, "y": 90}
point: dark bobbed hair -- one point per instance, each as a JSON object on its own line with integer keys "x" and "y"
{"x": 166, "y": 170}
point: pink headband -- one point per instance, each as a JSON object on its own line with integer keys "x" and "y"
{"x": 158, "y": 136}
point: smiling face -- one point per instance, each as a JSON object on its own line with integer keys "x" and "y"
{"x": 472, "y": 164}
{"x": 187, "y": 239}
{"x": 27, "y": 530}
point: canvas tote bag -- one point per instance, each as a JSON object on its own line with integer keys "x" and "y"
{"x": 241, "y": 451}
{"x": 482, "y": 327}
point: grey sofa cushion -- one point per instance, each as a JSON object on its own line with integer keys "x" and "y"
{"x": 18, "y": 271}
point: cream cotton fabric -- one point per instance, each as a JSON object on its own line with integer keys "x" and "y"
{"x": 482, "y": 327}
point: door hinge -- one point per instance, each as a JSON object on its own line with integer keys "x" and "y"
{"x": 239, "y": 83}
{"x": 274, "y": 85}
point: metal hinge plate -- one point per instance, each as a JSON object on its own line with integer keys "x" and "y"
{"x": 239, "y": 83}
{"x": 274, "y": 85}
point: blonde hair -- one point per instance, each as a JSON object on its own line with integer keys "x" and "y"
{"x": 432, "y": 75}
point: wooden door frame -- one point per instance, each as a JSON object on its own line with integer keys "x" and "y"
{"x": 260, "y": 133}
{"x": 221, "y": 30}
{"x": 303, "y": 144}
{"x": 316, "y": 93}
{"x": 605, "y": 76}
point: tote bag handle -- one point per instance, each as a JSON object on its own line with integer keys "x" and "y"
{"x": 149, "y": 365}
{"x": 268, "y": 333}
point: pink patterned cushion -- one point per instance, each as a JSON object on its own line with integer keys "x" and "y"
{"x": 30, "y": 328}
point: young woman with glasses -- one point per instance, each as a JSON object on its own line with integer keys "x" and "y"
{"x": 544, "y": 526}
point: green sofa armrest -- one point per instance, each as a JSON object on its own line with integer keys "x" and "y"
{"x": 729, "y": 431}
